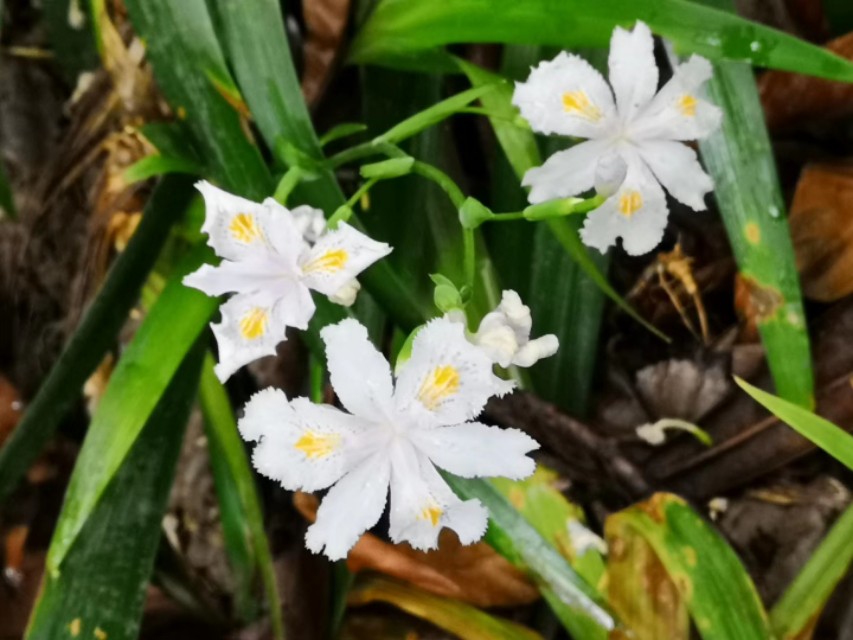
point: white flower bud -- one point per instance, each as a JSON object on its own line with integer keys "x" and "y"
{"x": 345, "y": 296}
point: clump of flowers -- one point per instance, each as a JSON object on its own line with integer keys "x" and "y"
{"x": 272, "y": 258}
{"x": 634, "y": 135}
{"x": 395, "y": 436}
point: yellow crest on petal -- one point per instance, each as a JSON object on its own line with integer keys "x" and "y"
{"x": 687, "y": 105}
{"x": 315, "y": 445}
{"x": 440, "y": 384}
{"x": 432, "y": 513}
{"x": 253, "y": 324}
{"x": 244, "y": 228}
{"x": 578, "y": 104}
{"x": 330, "y": 262}
{"x": 630, "y": 202}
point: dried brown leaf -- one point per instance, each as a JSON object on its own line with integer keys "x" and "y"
{"x": 822, "y": 231}
{"x": 327, "y": 22}
{"x": 474, "y": 574}
{"x": 791, "y": 100}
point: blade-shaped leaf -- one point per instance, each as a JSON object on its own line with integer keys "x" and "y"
{"x": 578, "y": 605}
{"x": 96, "y": 334}
{"x": 101, "y": 589}
{"x": 795, "y": 615}
{"x": 144, "y": 371}
{"x": 706, "y": 571}
{"x": 829, "y": 437}
{"x": 398, "y": 28}
{"x": 242, "y": 516}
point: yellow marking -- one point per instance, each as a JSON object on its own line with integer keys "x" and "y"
{"x": 330, "y": 262}
{"x": 578, "y": 103}
{"x": 630, "y": 202}
{"x": 752, "y": 232}
{"x": 315, "y": 445}
{"x": 74, "y": 627}
{"x": 253, "y": 325}
{"x": 100, "y": 634}
{"x": 182, "y": 113}
{"x": 431, "y": 513}
{"x": 687, "y": 105}
{"x": 439, "y": 385}
{"x": 244, "y": 228}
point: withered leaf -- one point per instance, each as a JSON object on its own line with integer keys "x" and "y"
{"x": 822, "y": 230}
{"x": 474, "y": 574}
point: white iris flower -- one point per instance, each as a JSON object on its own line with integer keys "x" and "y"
{"x": 635, "y": 142}
{"x": 504, "y": 334}
{"x": 270, "y": 264}
{"x": 394, "y": 436}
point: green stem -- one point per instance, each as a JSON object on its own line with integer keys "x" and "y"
{"x": 470, "y": 257}
{"x": 442, "y": 180}
{"x": 289, "y": 181}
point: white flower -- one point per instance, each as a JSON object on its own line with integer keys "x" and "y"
{"x": 272, "y": 268}
{"x": 310, "y": 221}
{"x": 566, "y": 96}
{"x": 504, "y": 334}
{"x": 394, "y": 436}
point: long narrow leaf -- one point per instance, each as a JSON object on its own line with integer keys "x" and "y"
{"x": 574, "y": 601}
{"x": 399, "y": 28}
{"x": 795, "y": 615}
{"x": 96, "y": 333}
{"x": 832, "y": 439}
{"x": 101, "y": 589}
{"x": 740, "y": 159}
{"x": 143, "y": 373}
{"x": 232, "y": 469}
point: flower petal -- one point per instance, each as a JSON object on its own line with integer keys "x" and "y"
{"x": 447, "y": 380}
{"x": 566, "y": 173}
{"x": 350, "y": 508}
{"x": 302, "y": 445}
{"x": 338, "y": 257}
{"x": 258, "y": 273}
{"x": 678, "y": 111}
{"x": 532, "y": 352}
{"x": 360, "y": 374}
{"x": 568, "y": 97}
{"x": 310, "y": 221}
{"x": 677, "y": 168}
{"x": 422, "y": 503}
{"x": 474, "y": 450}
{"x": 637, "y": 213}
{"x": 633, "y": 71}
{"x": 253, "y": 324}
{"x": 238, "y": 228}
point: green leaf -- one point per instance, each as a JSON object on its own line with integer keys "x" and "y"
{"x": 739, "y": 157}
{"x": 191, "y": 71}
{"x": 460, "y": 619}
{"x": 158, "y": 165}
{"x": 832, "y": 439}
{"x": 96, "y": 334}
{"x": 399, "y": 28}
{"x": 795, "y": 614}
{"x": 720, "y": 596}
{"x": 242, "y": 516}
{"x": 578, "y": 605}
{"x": 342, "y": 130}
{"x": 102, "y": 587}
{"x": 144, "y": 371}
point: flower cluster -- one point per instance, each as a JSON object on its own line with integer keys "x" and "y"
{"x": 634, "y": 137}
{"x": 271, "y": 259}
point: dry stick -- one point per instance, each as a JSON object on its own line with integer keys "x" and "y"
{"x": 564, "y": 435}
